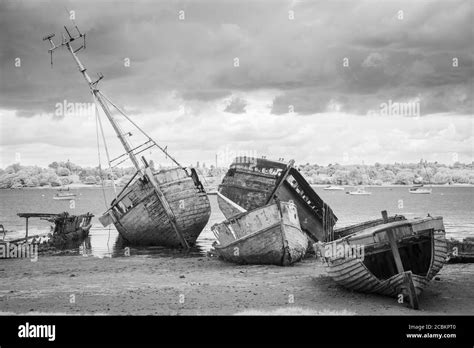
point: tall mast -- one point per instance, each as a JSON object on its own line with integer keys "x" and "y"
{"x": 93, "y": 88}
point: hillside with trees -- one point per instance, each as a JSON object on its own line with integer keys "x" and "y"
{"x": 66, "y": 173}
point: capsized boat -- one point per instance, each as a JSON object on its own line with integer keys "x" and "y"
{"x": 267, "y": 235}
{"x": 254, "y": 182}
{"x": 168, "y": 207}
{"x": 397, "y": 256}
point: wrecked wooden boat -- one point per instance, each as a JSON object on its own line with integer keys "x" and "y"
{"x": 394, "y": 257}
{"x": 163, "y": 208}
{"x": 68, "y": 231}
{"x": 461, "y": 251}
{"x": 267, "y": 235}
{"x": 254, "y": 182}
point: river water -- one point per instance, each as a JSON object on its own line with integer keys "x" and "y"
{"x": 455, "y": 204}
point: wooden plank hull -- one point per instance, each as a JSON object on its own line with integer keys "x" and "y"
{"x": 263, "y": 236}
{"x": 251, "y": 184}
{"x": 228, "y": 207}
{"x": 141, "y": 219}
{"x": 423, "y": 250}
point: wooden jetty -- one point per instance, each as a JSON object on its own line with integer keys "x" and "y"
{"x": 399, "y": 256}
{"x": 267, "y": 235}
{"x": 168, "y": 207}
{"x": 254, "y": 182}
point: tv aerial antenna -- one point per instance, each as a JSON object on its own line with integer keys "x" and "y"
{"x": 105, "y": 103}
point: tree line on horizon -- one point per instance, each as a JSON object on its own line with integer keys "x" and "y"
{"x": 64, "y": 173}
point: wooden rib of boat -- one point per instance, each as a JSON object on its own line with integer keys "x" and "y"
{"x": 389, "y": 258}
{"x": 267, "y": 235}
{"x": 167, "y": 208}
{"x": 254, "y": 182}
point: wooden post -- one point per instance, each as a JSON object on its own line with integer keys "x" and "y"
{"x": 407, "y": 276}
{"x": 26, "y": 235}
{"x": 411, "y": 289}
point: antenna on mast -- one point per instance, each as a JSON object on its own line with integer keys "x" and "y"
{"x": 65, "y": 42}
{"x": 102, "y": 100}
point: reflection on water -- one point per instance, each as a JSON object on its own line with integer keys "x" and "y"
{"x": 106, "y": 242}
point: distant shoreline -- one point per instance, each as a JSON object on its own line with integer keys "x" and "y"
{"x": 396, "y": 185}
{"x": 81, "y": 185}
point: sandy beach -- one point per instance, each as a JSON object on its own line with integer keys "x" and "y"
{"x": 143, "y": 285}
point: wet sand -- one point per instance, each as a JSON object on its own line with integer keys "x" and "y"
{"x": 144, "y": 285}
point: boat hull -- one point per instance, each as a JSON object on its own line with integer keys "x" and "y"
{"x": 266, "y": 237}
{"x": 142, "y": 219}
{"x": 251, "y": 188}
{"x": 422, "y": 247}
{"x": 70, "y": 231}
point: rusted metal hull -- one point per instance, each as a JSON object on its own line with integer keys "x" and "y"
{"x": 252, "y": 186}
{"x": 421, "y": 245}
{"x": 141, "y": 219}
{"x": 262, "y": 236}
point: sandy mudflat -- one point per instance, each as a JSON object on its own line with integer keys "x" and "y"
{"x": 142, "y": 285}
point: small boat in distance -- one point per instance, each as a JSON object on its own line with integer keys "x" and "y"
{"x": 394, "y": 257}
{"x": 420, "y": 189}
{"x": 267, "y": 235}
{"x": 334, "y": 188}
{"x": 359, "y": 191}
{"x": 64, "y": 196}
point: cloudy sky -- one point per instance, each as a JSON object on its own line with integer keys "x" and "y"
{"x": 308, "y": 80}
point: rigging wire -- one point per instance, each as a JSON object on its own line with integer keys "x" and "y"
{"x": 141, "y": 130}
{"x": 106, "y": 148}
{"x": 98, "y": 154}
{"x": 98, "y": 124}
